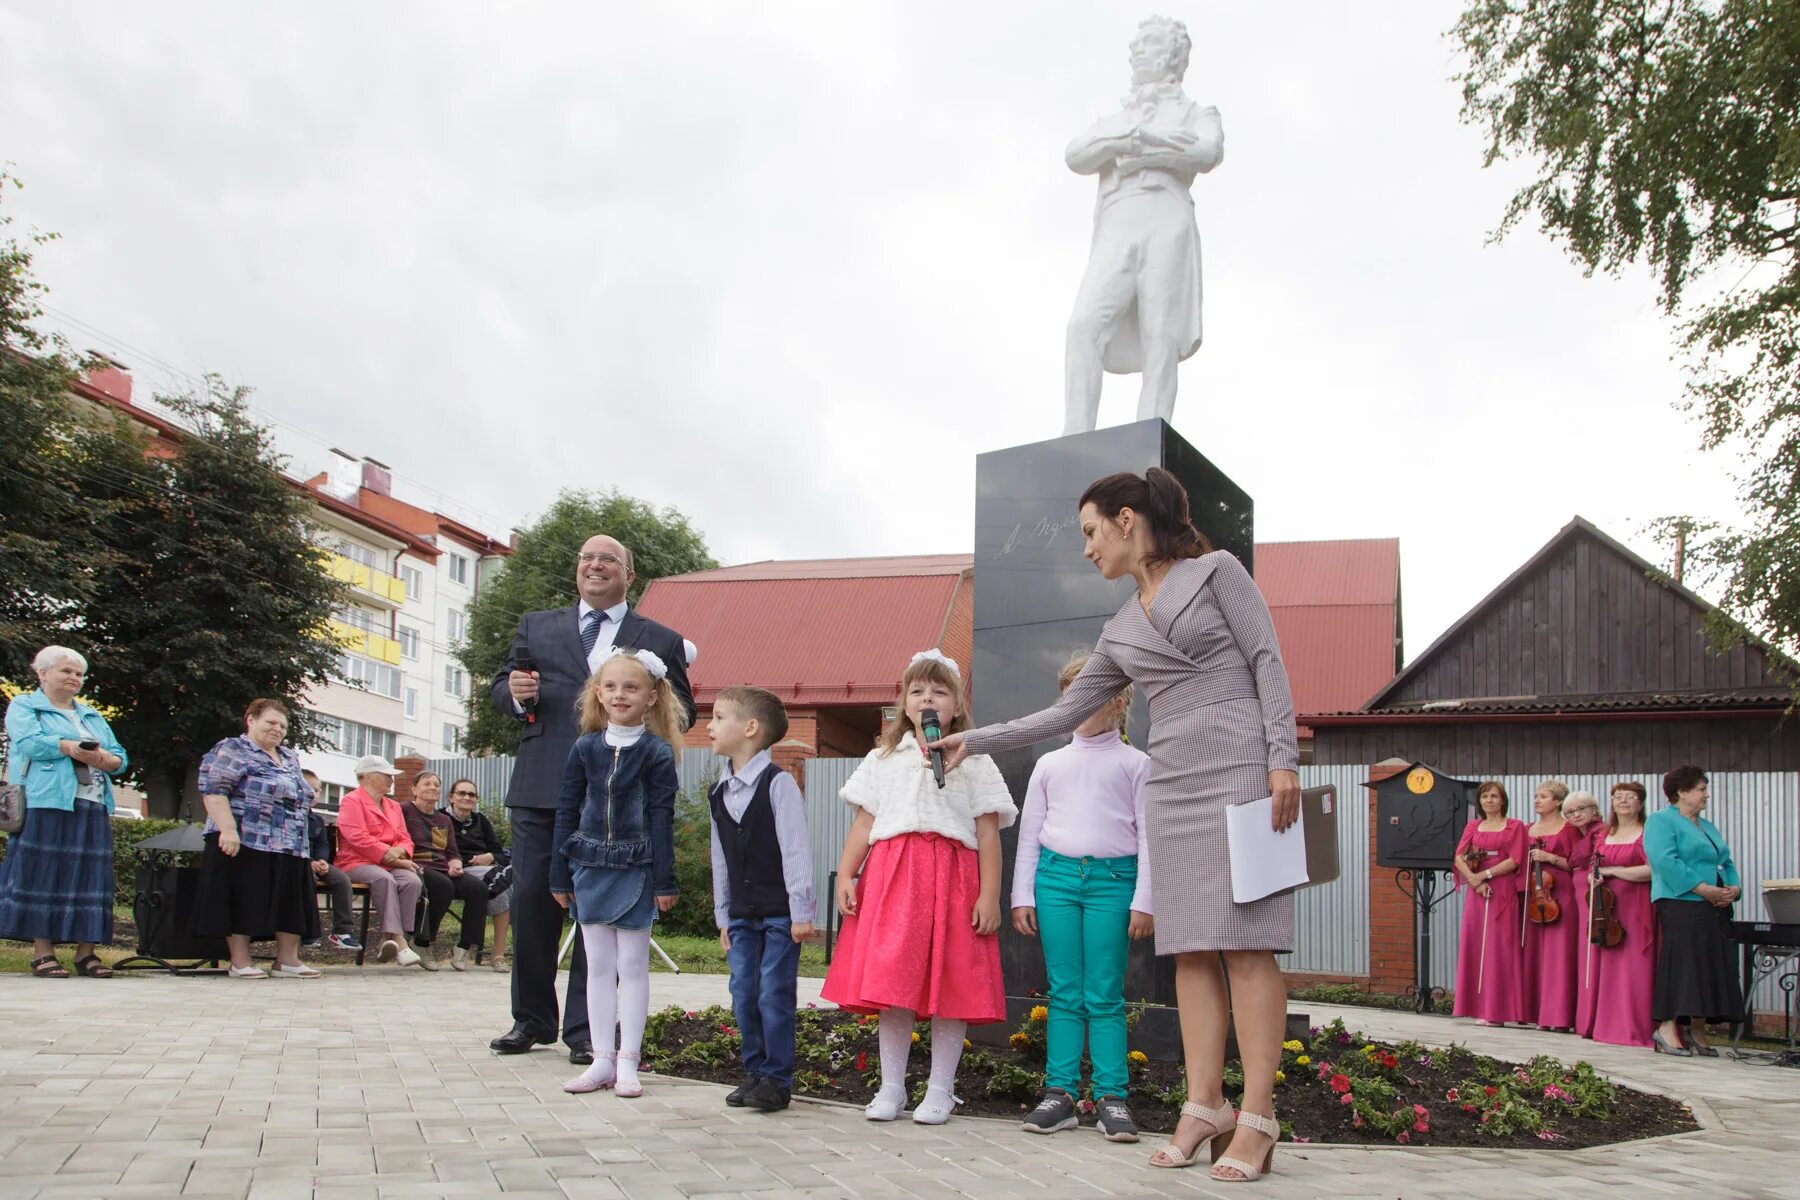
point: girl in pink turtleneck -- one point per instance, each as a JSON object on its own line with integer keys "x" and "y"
{"x": 1081, "y": 882}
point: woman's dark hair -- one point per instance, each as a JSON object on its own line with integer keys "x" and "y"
{"x": 262, "y": 705}
{"x": 1161, "y": 501}
{"x": 1682, "y": 779}
{"x": 1495, "y": 786}
{"x": 423, "y": 775}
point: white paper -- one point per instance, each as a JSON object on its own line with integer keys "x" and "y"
{"x": 1262, "y": 861}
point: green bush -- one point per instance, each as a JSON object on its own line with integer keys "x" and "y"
{"x": 693, "y": 913}
{"x": 127, "y": 833}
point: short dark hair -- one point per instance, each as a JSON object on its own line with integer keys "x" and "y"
{"x": 1491, "y": 785}
{"x": 762, "y": 706}
{"x": 263, "y": 704}
{"x": 1681, "y": 779}
{"x": 1157, "y": 497}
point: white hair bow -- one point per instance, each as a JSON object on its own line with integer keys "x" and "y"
{"x": 937, "y": 656}
{"x": 646, "y": 659}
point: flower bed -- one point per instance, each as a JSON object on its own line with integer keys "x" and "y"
{"x": 1334, "y": 1086}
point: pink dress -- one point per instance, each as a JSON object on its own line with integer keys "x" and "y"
{"x": 1550, "y": 949}
{"x": 1586, "y": 953}
{"x": 910, "y": 944}
{"x": 1489, "y": 967}
{"x": 1626, "y": 972}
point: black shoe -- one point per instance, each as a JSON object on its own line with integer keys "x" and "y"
{"x": 582, "y": 1054}
{"x": 767, "y": 1096}
{"x": 1054, "y": 1113}
{"x": 735, "y": 1097}
{"x": 1113, "y": 1119}
{"x": 517, "y": 1041}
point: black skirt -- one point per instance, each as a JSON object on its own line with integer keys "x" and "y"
{"x": 254, "y": 892}
{"x": 1696, "y": 975}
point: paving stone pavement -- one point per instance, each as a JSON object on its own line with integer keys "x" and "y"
{"x": 378, "y": 1083}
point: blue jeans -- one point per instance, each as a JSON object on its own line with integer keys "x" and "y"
{"x": 1083, "y": 912}
{"x": 765, "y": 963}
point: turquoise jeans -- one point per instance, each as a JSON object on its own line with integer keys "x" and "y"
{"x": 1083, "y": 911}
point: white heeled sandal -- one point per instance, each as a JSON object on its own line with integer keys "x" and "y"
{"x": 1223, "y": 1120}
{"x": 1248, "y": 1172}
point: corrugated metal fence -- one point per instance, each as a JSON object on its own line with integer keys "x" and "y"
{"x": 698, "y": 769}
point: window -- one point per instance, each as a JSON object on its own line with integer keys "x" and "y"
{"x": 379, "y": 678}
{"x": 456, "y": 625}
{"x": 414, "y": 579}
{"x": 412, "y": 704}
{"x": 455, "y": 680}
{"x": 459, "y": 569}
{"x": 452, "y": 737}
{"x": 330, "y": 796}
{"x": 409, "y": 643}
{"x": 358, "y": 618}
{"x": 359, "y": 554}
{"x": 411, "y": 752}
{"x": 354, "y": 738}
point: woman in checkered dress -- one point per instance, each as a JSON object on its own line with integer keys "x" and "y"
{"x": 1197, "y": 639}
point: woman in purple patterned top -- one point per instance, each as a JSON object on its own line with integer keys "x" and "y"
{"x": 256, "y": 874}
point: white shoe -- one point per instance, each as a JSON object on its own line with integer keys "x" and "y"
{"x": 407, "y": 956}
{"x": 250, "y": 972}
{"x": 459, "y": 959}
{"x": 389, "y": 949}
{"x": 935, "y": 1109}
{"x": 296, "y": 971}
{"x": 887, "y": 1103}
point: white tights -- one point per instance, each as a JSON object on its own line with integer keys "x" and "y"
{"x": 618, "y": 993}
{"x": 896, "y": 1047}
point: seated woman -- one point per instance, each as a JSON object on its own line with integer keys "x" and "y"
{"x": 482, "y": 855}
{"x": 256, "y": 875}
{"x": 56, "y": 884}
{"x": 1693, "y": 884}
{"x": 374, "y": 848}
{"x": 433, "y": 836}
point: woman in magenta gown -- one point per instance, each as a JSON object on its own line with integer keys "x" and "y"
{"x": 1626, "y": 973}
{"x": 1582, "y": 811}
{"x": 1550, "y": 947}
{"x": 1489, "y": 974}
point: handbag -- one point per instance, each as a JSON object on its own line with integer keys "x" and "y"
{"x": 12, "y": 797}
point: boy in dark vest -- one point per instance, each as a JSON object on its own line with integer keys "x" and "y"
{"x": 762, "y": 888}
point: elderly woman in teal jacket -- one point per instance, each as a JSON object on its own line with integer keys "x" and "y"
{"x": 56, "y": 884}
{"x": 1693, "y": 884}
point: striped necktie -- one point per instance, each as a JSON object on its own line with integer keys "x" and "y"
{"x": 590, "y": 631}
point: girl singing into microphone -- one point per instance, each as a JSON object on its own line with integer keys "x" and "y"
{"x": 919, "y": 927}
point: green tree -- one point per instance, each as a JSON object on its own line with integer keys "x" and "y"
{"x": 222, "y": 597}
{"x": 540, "y": 574}
{"x": 1668, "y": 134}
{"x": 52, "y": 558}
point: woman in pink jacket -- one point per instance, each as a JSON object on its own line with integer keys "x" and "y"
{"x": 373, "y": 848}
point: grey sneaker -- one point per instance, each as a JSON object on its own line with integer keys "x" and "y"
{"x": 1055, "y": 1112}
{"x": 1113, "y": 1119}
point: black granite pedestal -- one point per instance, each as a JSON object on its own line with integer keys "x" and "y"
{"x": 1037, "y": 601}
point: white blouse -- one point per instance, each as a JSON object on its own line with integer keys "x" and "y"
{"x": 900, "y": 791}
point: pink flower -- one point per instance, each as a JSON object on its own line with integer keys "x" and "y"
{"x": 1420, "y": 1126}
{"x": 1451, "y": 1096}
{"x": 1421, "y": 1110}
{"x": 692, "y": 1013}
{"x": 1469, "y": 1108}
{"x": 1358, "y": 1122}
{"x": 1403, "y": 1137}
{"x": 1340, "y": 1083}
{"x": 1346, "y": 1098}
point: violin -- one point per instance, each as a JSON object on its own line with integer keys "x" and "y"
{"x": 1603, "y": 912}
{"x": 1472, "y": 858}
{"x": 1541, "y": 907}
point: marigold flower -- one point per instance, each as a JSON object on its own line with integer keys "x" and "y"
{"x": 1039, "y": 1013}
{"x": 1280, "y": 1076}
{"x": 1137, "y": 1058}
{"x": 1293, "y": 1045}
{"x": 1303, "y": 1060}
{"x": 966, "y": 1043}
{"x": 915, "y": 1037}
{"x": 1020, "y": 1039}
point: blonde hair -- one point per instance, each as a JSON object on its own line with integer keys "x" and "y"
{"x": 1072, "y": 668}
{"x": 936, "y": 672}
{"x": 665, "y": 718}
{"x": 1556, "y": 788}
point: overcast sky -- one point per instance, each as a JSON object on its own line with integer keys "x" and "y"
{"x": 788, "y": 268}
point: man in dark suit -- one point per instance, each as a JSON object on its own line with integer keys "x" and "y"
{"x": 564, "y": 645}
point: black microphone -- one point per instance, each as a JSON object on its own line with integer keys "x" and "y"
{"x": 522, "y": 662}
{"x": 933, "y": 731}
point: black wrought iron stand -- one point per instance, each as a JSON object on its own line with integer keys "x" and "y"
{"x": 162, "y": 906}
{"x": 1425, "y": 897}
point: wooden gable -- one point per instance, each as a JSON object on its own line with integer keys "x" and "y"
{"x": 1584, "y": 618}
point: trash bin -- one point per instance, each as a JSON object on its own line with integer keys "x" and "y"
{"x": 167, "y": 881}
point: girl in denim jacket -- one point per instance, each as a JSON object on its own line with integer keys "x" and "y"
{"x": 615, "y": 860}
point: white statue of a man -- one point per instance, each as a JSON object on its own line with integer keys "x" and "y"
{"x": 1138, "y": 308}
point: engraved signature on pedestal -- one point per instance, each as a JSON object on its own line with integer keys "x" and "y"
{"x": 1038, "y": 537}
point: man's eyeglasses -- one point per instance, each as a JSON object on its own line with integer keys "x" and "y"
{"x": 603, "y": 558}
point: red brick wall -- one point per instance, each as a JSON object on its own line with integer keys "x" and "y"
{"x": 1392, "y": 954}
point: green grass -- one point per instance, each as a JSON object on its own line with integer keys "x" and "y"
{"x": 703, "y": 956}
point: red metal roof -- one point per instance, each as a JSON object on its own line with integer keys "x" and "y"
{"x": 1336, "y": 607}
{"x": 820, "y": 632}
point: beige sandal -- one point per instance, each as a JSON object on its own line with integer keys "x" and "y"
{"x": 1222, "y": 1119}
{"x": 1248, "y": 1173}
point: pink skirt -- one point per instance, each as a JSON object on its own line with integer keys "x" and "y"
{"x": 911, "y": 943}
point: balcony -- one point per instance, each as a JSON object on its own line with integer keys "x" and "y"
{"x": 365, "y": 642}
{"x": 386, "y": 590}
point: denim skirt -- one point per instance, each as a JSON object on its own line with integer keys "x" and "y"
{"x": 57, "y": 879}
